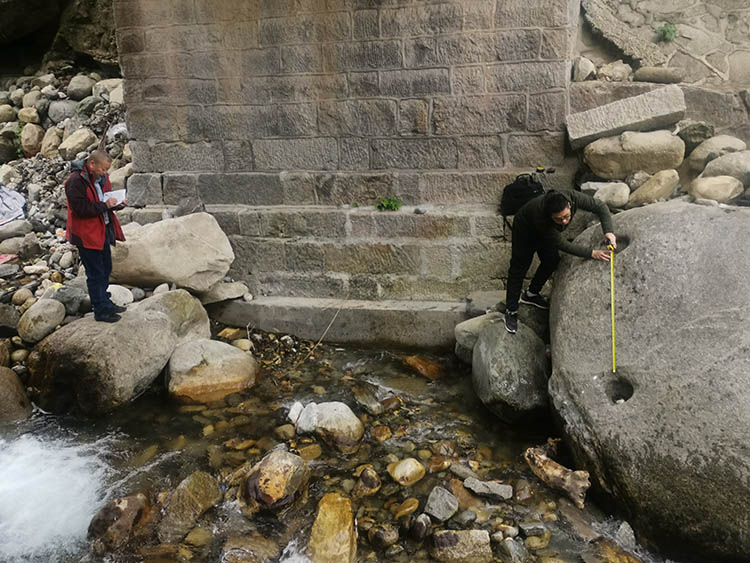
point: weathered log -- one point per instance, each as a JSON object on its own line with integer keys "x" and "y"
{"x": 573, "y": 483}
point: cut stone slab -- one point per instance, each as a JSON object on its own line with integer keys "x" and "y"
{"x": 419, "y": 324}
{"x": 653, "y": 110}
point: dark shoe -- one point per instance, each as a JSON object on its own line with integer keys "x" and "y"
{"x": 536, "y": 300}
{"x": 511, "y": 321}
{"x": 117, "y": 308}
{"x": 107, "y": 317}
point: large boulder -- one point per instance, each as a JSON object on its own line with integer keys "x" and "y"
{"x": 614, "y": 158}
{"x": 60, "y": 110}
{"x": 14, "y": 404}
{"x": 657, "y": 188}
{"x": 191, "y": 251}
{"x": 40, "y": 319}
{"x": 100, "y": 366}
{"x": 713, "y": 148}
{"x": 509, "y": 372}
{"x": 666, "y": 435}
{"x": 204, "y": 371}
{"x": 718, "y": 188}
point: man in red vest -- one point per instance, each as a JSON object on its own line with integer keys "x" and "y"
{"x": 93, "y": 227}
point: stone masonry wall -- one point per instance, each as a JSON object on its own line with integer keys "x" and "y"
{"x": 336, "y": 101}
{"x": 299, "y": 103}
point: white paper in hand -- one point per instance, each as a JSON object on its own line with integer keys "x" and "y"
{"x": 119, "y": 195}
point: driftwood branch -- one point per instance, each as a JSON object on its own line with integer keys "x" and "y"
{"x": 573, "y": 483}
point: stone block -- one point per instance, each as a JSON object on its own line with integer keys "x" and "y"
{"x": 145, "y": 189}
{"x": 547, "y": 111}
{"x": 531, "y": 13}
{"x": 478, "y": 14}
{"x": 254, "y": 255}
{"x": 304, "y": 257}
{"x": 372, "y": 258}
{"x": 413, "y": 117}
{"x": 491, "y": 226}
{"x": 227, "y": 216}
{"x": 146, "y": 12}
{"x": 176, "y": 187}
{"x": 304, "y": 154}
{"x": 536, "y": 150}
{"x": 414, "y": 153}
{"x": 363, "y": 84}
{"x": 165, "y": 123}
{"x": 480, "y": 152}
{"x": 436, "y": 262}
{"x": 429, "y": 226}
{"x": 298, "y": 188}
{"x": 403, "y": 83}
{"x": 247, "y": 62}
{"x": 177, "y": 156}
{"x": 555, "y": 44}
{"x": 363, "y": 55}
{"x": 144, "y": 65}
{"x": 526, "y": 77}
{"x": 141, "y": 156}
{"x": 239, "y": 121}
{"x": 302, "y": 58}
{"x": 238, "y": 156}
{"x": 302, "y": 88}
{"x": 208, "y": 11}
{"x": 240, "y": 189}
{"x": 414, "y": 21}
{"x": 297, "y": 120}
{"x": 468, "y": 80}
{"x": 653, "y": 110}
{"x": 131, "y": 41}
{"x": 305, "y": 28}
{"x": 475, "y": 47}
{"x": 486, "y": 259}
{"x": 357, "y": 117}
{"x": 478, "y": 115}
{"x": 366, "y": 24}
{"x": 298, "y": 222}
{"x": 290, "y": 284}
{"x": 347, "y": 188}
{"x": 464, "y": 187}
{"x": 354, "y": 153}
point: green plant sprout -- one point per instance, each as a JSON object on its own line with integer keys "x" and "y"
{"x": 667, "y": 32}
{"x": 389, "y": 203}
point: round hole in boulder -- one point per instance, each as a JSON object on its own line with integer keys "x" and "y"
{"x": 619, "y": 390}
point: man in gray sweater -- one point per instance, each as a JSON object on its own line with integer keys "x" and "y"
{"x": 538, "y": 228}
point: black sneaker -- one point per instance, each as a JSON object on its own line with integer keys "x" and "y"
{"x": 511, "y": 321}
{"x": 117, "y": 308}
{"x": 107, "y": 317}
{"x": 537, "y": 300}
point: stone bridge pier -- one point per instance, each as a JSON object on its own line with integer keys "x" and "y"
{"x": 291, "y": 119}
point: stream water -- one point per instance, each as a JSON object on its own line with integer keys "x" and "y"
{"x": 57, "y": 472}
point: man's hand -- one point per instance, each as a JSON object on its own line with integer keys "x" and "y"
{"x": 111, "y": 202}
{"x": 611, "y": 239}
{"x": 602, "y": 255}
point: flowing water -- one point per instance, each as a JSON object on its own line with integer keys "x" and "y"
{"x": 57, "y": 472}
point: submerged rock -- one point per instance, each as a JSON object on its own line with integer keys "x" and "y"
{"x": 333, "y": 538}
{"x": 407, "y": 471}
{"x": 334, "y": 422}
{"x": 678, "y": 394}
{"x": 250, "y": 549}
{"x": 192, "y": 497}
{"x": 111, "y": 528}
{"x": 275, "y": 482}
{"x": 463, "y": 546}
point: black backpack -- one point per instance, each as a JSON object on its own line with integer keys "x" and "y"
{"x": 520, "y": 191}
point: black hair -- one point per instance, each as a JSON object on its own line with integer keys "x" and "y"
{"x": 554, "y": 202}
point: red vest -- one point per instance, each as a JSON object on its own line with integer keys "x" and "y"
{"x": 89, "y": 232}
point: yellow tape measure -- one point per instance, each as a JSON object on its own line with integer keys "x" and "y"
{"x": 612, "y": 305}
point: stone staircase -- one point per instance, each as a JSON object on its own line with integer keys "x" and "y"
{"x": 389, "y": 277}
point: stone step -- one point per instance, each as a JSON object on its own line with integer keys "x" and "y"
{"x": 411, "y": 324}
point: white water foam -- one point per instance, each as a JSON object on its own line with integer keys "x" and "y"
{"x": 49, "y": 491}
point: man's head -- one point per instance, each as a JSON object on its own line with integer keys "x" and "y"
{"x": 98, "y": 163}
{"x": 557, "y": 208}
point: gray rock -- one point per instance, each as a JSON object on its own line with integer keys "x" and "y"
{"x": 11, "y": 246}
{"x": 16, "y": 97}
{"x": 71, "y": 297}
{"x": 616, "y": 71}
{"x": 87, "y": 105}
{"x": 66, "y": 260}
{"x": 188, "y": 317}
{"x": 30, "y": 247}
{"x": 658, "y": 188}
{"x": 76, "y": 143}
{"x": 462, "y": 471}
{"x": 466, "y": 517}
{"x": 625, "y": 537}
{"x": 713, "y": 148}
{"x": 614, "y": 158}
{"x": 59, "y": 110}
{"x": 653, "y": 110}
{"x": 509, "y": 373}
{"x": 694, "y": 133}
{"x": 31, "y": 98}
{"x": 669, "y": 401}
{"x": 120, "y": 295}
{"x": 441, "y": 504}
{"x": 736, "y": 165}
{"x": 468, "y": 332}
{"x": 514, "y": 551}
{"x": 138, "y": 293}
{"x": 7, "y": 270}
{"x": 614, "y": 194}
{"x": 637, "y": 179}
{"x": 7, "y": 150}
{"x": 40, "y": 320}
{"x": 334, "y": 422}
{"x": 470, "y": 546}
{"x": 583, "y": 69}
{"x": 4, "y": 98}
{"x": 104, "y": 87}
{"x": 223, "y": 291}
{"x": 14, "y": 404}
{"x": 658, "y": 74}
{"x": 9, "y": 175}
{"x": 493, "y": 489}
{"x": 532, "y": 528}
{"x": 8, "y": 319}
{"x": 192, "y": 497}
{"x": 723, "y": 189}
{"x": 7, "y": 113}
{"x": 105, "y": 377}
{"x": 44, "y": 80}
{"x": 80, "y": 86}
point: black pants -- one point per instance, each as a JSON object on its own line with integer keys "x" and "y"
{"x": 98, "y": 265}
{"x": 522, "y": 254}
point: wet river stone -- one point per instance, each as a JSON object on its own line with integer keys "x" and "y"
{"x": 464, "y": 546}
{"x": 407, "y": 471}
{"x": 666, "y": 435}
{"x": 192, "y": 497}
{"x": 40, "y": 319}
{"x": 275, "y": 481}
{"x": 441, "y": 504}
{"x": 112, "y": 526}
{"x": 334, "y": 422}
{"x": 333, "y": 538}
{"x": 204, "y": 371}
{"x": 509, "y": 372}
{"x": 14, "y": 405}
{"x": 249, "y": 549}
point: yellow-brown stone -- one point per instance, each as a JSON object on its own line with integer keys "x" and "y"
{"x": 333, "y": 538}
